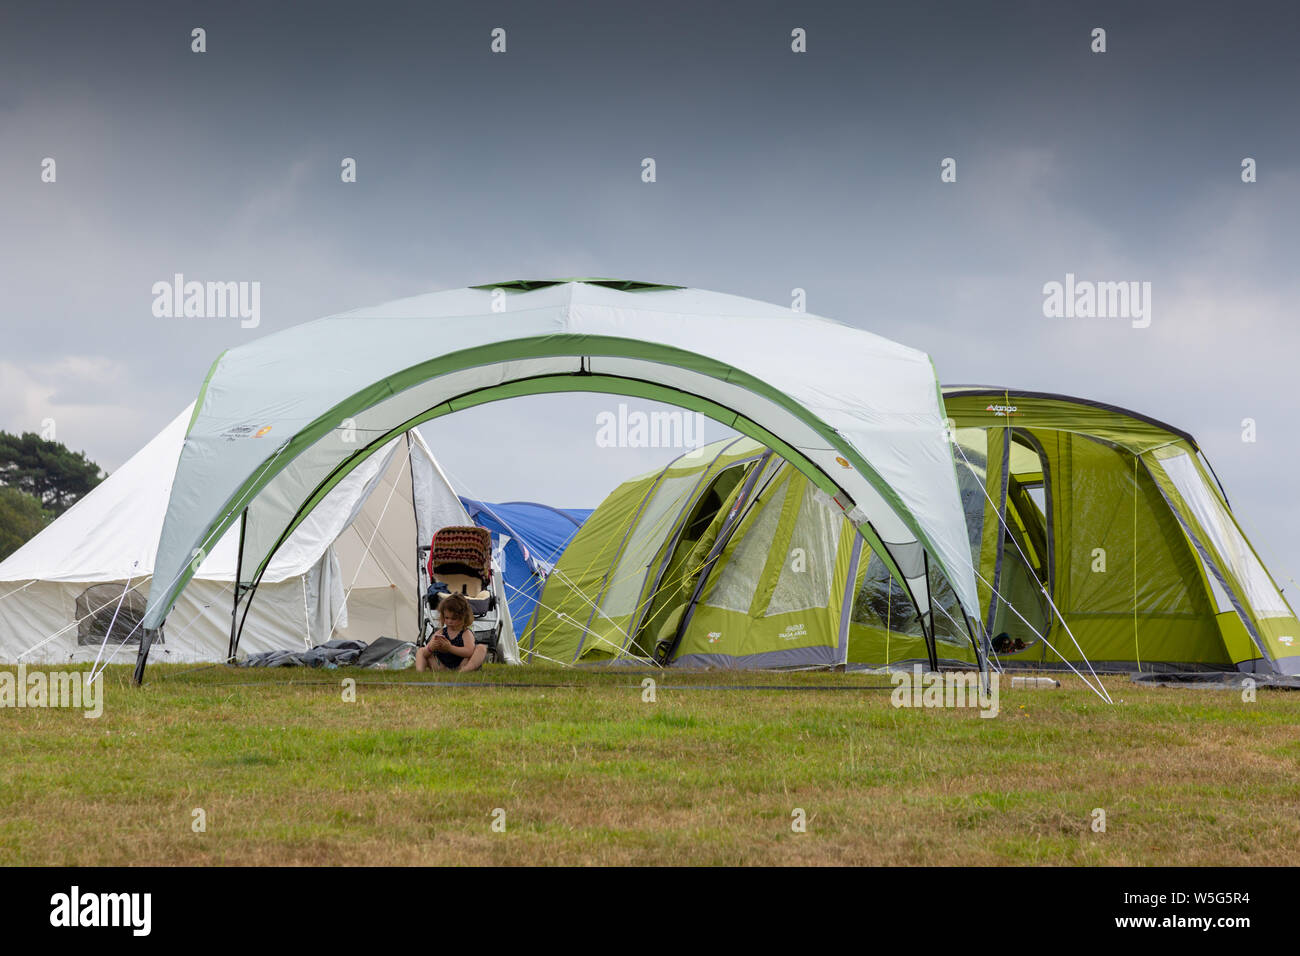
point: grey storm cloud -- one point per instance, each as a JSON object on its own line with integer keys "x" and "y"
{"x": 775, "y": 171}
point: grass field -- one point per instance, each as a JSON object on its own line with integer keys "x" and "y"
{"x": 287, "y": 772}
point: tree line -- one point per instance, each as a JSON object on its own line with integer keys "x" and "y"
{"x": 39, "y": 480}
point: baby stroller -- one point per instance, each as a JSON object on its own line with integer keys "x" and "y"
{"x": 460, "y": 562}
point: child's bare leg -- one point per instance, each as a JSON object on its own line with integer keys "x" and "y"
{"x": 475, "y": 660}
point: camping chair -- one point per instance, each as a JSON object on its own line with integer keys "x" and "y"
{"x": 460, "y": 562}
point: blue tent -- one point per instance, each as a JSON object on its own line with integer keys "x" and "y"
{"x": 537, "y": 534}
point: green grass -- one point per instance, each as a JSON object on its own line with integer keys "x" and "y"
{"x": 586, "y": 772}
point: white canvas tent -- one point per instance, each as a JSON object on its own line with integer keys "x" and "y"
{"x": 350, "y": 570}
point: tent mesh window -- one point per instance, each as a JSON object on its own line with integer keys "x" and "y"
{"x": 95, "y": 608}
{"x": 882, "y": 603}
{"x": 742, "y": 574}
{"x": 645, "y": 539}
{"x": 806, "y": 578}
{"x": 1226, "y": 537}
{"x": 949, "y": 618}
{"x": 970, "y": 457}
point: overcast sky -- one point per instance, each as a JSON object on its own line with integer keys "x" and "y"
{"x": 775, "y": 170}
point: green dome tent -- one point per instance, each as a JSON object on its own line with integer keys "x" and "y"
{"x": 729, "y": 557}
{"x": 281, "y": 420}
{"x": 1115, "y": 520}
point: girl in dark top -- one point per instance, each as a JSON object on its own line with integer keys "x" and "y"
{"x": 452, "y": 647}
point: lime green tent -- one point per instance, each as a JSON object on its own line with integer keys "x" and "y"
{"x": 730, "y": 557}
{"x": 1117, "y": 521}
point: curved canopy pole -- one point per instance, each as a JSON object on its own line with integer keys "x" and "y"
{"x": 580, "y": 348}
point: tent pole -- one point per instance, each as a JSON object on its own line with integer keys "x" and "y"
{"x": 981, "y": 653}
{"x": 1137, "y": 647}
{"x": 239, "y": 583}
{"x": 419, "y": 565}
{"x": 929, "y": 632}
{"x": 248, "y": 606}
{"x": 142, "y": 658}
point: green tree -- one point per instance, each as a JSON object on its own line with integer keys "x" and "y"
{"x": 47, "y": 470}
{"x": 21, "y": 519}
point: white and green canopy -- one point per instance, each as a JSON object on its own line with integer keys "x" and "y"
{"x": 281, "y": 420}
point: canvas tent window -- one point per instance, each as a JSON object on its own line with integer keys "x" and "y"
{"x": 881, "y": 603}
{"x": 112, "y": 613}
{"x": 948, "y": 626}
{"x": 644, "y": 542}
{"x": 970, "y": 458}
{"x": 808, "y": 562}
{"x": 742, "y": 575}
{"x": 1225, "y": 536}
